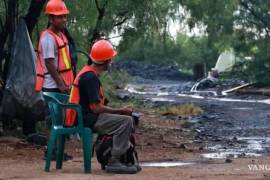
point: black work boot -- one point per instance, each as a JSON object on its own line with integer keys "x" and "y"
{"x": 137, "y": 166}
{"x": 115, "y": 166}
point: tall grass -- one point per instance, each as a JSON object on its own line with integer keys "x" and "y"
{"x": 181, "y": 110}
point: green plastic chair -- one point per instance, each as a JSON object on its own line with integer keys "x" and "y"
{"x": 57, "y": 103}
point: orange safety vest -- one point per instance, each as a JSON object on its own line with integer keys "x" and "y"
{"x": 74, "y": 97}
{"x": 64, "y": 61}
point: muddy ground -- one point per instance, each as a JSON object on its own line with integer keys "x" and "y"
{"x": 159, "y": 139}
{"x": 230, "y": 140}
{"x": 233, "y": 124}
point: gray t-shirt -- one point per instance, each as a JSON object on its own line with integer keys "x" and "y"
{"x": 49, "y": 51}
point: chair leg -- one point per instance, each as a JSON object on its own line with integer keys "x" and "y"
{"x": 87, "y": 152}
{"x": 60, "y": 151}
{"x": 50, "y": 148}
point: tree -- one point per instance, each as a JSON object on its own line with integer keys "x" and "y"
{"x": 243, "y": 25}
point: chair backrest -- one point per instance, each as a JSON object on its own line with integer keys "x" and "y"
{"x": 53, "y": 96}
{"x": 56, "y": 113}
{"x": 54, "y": 101}
{"x": 58, "y": 105}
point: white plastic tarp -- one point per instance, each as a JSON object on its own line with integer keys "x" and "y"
{"x": 225, "y": 61}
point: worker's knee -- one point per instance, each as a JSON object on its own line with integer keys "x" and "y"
{"x": 128, "y": 121}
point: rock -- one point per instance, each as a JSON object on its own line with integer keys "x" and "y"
{"x": 210, "y": 117}
{"x": 217, "y": 140}
{"x": 187, "y": 125}
{"x": 201, "y": 148}
{"x": 183, "y": 146}
{"x": 197, "y": 141}
{"x": 37, "y": 138}
{"x": 78, "y": 150}
{"x": 228, "y": 160}
{"x": 8, "y": 148}
{"x": 230, "y": 155}
{"x": 242, "y": 155}
{"x": 207, "y": 83}
{"x": 123, "y": 95}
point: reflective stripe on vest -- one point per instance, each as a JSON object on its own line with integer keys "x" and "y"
{"x": 74, "y": 97}
{"x": 64, "y": 61}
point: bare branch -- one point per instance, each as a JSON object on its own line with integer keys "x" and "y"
{"x": 105, "y": 4}
{"x": 101, "y": 13}
{"x": 97, "y": 5}
{"x": 115, "y": 37}
{"x": 255, "y": 14}
{"x": 121, "y": 22}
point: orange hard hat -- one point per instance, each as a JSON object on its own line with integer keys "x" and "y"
{"x": 102, "y": 51}
{"x": 56, "y": 7}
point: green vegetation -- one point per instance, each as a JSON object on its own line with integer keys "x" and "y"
{"x": 114, "y": 80}
{"x": 241, "y": 24}
{"x": 144, "y": 30}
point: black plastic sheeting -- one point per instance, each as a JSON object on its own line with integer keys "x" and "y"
{"x": 20, "y": 100}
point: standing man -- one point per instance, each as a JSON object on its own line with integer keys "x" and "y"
{"x": 88, "y": 92}
{"x": 54, "y": 71}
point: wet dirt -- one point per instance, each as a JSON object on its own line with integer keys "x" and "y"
{"x": 231, "y": 126}
{"x": 223, "y": 143}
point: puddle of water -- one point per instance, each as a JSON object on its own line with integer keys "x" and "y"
{"x": 166, "y": 164}
{"x": 163, "y": 94}
{"x": 266, "y": 101}
{"x": 254, "y": 147}
{"x": 251, "y": 146}
{"x": 192, "y": 96}
{"x": 206, "y": 92}
{"x": 153, "y": 91}
{"x": 231, "y": 154}
{"x": 133, "y": 90}
{"x": 161, "y": 100}
{"x": 256, "y": 143}
{"x": 254, "y": 138}
{"x": 243, "y": 108}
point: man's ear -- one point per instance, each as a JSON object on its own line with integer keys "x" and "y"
{"x": 50, "y": 19}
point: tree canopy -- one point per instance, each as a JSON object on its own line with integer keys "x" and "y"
{"x": 143, "y": 30}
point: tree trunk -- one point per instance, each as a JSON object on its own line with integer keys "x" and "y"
{"x": 199, "y": 71}
{"x": 33, "y": 14}
{"x": 101, "y": 13}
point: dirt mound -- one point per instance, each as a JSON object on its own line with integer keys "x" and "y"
{"x": 152, "y": 71}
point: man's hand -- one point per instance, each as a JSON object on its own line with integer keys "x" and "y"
{"x": 63, "y": 88}
{"x": 126, "y": 111}
{"x": 56, "y": 76}
{"x": 98, "y": 108}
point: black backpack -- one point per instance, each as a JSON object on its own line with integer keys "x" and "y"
{"x": 103, "y": 147}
